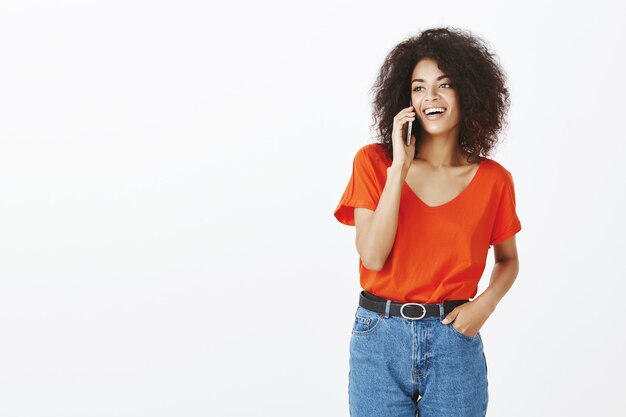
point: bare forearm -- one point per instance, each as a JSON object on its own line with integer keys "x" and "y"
{"x": 503, "y": 276}
{"x": 377, "y": 243}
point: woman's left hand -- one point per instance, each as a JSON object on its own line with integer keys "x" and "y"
{"x": 469, "y": 317}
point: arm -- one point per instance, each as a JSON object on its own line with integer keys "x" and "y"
{"x": 376, "y": 230}
{"x": 503, "y": 274}
{"x": 475, "y": 313}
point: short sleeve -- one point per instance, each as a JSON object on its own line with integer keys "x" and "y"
{"x": 364, "y": 187}
{"x": 506, "y": 222}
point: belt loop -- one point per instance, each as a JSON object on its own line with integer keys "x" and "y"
{"x": 442, "y": 311}
{"x": 387, "y": 307}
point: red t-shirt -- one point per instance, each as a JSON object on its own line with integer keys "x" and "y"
{"x": 439, "y": 253}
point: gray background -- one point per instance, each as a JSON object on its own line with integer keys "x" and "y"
{"x": 168, "y": 175}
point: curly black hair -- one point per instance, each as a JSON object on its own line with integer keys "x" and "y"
{"x": 478, "y": 78}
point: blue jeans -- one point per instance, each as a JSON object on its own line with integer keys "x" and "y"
{"x": 406, "y": 368}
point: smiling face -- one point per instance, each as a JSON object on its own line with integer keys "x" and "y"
{"x": 430, "y": 87}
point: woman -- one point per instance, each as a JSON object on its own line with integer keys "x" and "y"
{"x": 426, "y": 215}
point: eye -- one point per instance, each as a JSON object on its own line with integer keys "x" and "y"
{"x": 419, "y": 86}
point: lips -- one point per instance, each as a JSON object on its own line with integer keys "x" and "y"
{"x": 436, "y": 116}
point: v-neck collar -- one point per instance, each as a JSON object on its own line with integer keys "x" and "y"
{"x": 465, "y": 190}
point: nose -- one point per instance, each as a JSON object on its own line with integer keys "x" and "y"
{"x": 431, "y": 94}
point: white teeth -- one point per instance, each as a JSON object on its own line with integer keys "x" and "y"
{"x": 432, "y": 109}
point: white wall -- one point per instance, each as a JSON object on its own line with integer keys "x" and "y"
{"x": 168, "y": 173}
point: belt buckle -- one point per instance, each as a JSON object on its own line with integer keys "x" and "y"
{"x": 412, "y": 318}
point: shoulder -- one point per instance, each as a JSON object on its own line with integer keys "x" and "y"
{"x": 373, "y": 153}
{"x": 375, "y": 149}
{"x": 496, "y": 170}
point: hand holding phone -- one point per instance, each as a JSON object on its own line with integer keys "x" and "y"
{"x": 403, "y": 153}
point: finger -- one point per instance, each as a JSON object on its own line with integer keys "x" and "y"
{"x": 450, "y": 317}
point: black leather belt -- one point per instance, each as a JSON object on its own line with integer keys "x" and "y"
{"x": 411, "y": 311}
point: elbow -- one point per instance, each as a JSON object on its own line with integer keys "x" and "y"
{"x": 372, "y": 265}
{"x": 370, "y": 258}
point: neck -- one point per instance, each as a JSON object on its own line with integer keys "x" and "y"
{"x": 441, "y": 151}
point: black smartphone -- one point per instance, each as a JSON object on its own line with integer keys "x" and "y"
{"x": 408, "y": 133}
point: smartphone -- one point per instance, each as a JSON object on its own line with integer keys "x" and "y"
{"x": 408, "y": 133}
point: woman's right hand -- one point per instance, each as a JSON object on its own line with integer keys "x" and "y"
{"x": 403, "y": 154}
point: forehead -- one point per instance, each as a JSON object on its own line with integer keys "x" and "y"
{"x": 426, "y": 68}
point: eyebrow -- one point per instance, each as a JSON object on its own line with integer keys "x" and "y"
{"x": 438, "y": 78}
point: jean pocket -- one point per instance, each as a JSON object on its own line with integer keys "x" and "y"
{"x": 458, "y": 332}
{"x": 365, "y": 321}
